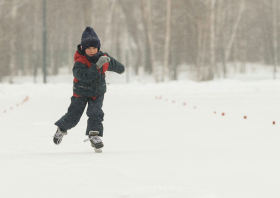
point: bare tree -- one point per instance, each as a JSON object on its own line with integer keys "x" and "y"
{"x": 14, "y": 8}
{"x": 129, "y": 10}
{"x": 234, "y": 30}
{"x": 167, "y": 41}
{"x": 275, "y": 39}
{"x": 109, "y": 25}
{"x": 148, "y": 20}
{"x": 212, "y": 40}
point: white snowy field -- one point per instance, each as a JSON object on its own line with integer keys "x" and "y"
{"x": 153, "y": 148}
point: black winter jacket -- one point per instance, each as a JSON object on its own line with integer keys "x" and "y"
{"x": 88, "y": 80}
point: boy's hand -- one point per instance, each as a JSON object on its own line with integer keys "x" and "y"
{"x": 102, "y": 60}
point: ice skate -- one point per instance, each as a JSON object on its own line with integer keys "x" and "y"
{"x": 57, "y": 138}
{"x": 95, "y": 141}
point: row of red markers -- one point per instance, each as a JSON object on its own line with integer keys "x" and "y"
{"x": 173, "y": 101}
{"x": 18, "y": 104}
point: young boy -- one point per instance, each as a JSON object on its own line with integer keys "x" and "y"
{"x": 89, "y": 88}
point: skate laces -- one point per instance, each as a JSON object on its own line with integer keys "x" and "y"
{"x": 96, "y": 139}
{"x": 58, "y": 135}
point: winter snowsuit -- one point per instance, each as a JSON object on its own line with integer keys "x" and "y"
{"x": 89, "y": 87}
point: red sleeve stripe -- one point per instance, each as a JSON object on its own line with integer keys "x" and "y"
{"x": 75, "y": 95}
{"x": 105, "y": 67}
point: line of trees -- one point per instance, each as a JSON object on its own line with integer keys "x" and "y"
{"x": 157, "y": 35}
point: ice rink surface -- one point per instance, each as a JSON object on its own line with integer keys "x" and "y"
{"x": 154, "y": 147}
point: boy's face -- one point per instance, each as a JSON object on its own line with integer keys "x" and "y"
{"x": 91, "y": 51}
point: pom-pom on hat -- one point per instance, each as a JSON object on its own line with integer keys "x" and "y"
{"x": 90, "y": 39}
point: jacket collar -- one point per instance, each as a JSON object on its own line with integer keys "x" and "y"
{"x": 80, "y": 54}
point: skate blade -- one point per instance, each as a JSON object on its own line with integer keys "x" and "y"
{"x": 98, "y": 150}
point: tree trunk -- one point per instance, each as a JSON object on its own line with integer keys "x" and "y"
{"x": 35, "y": 44}
{"x": 13, "y": 42}
{"x": 109, "y": 25}
{"x": 148, "y": 19}
{"x": 234, "y": 31}
{"x": 127, "y": 66}
{"x": 87, "y": 12}
{"x": 147, "y": 55}
{"x": 132, "y": 29}
{"x": 220, "y": 34}
{"x": 212, "y": 41}
{"x": 275, "y": 43}
{"x": 167, "y": 41}
{"x": 70, "y": 52}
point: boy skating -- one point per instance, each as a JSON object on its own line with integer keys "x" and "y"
{"x": 89, "y": 87}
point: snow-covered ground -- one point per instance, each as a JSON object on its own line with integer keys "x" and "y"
{"x": 153, "y": 147}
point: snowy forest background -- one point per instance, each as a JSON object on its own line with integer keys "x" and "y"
{"x": 161, "y": 38}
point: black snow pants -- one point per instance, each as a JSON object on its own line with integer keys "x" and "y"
{"x": 75, "y": 111}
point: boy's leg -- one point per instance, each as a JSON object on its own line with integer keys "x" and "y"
{"x": 95, "y": 115}
{"x": 75, "y": 111}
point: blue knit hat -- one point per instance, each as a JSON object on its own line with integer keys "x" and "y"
{"x": 90, "y": 39}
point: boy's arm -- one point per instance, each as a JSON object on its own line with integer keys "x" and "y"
{"x": 115, "y": 66}
{"x": 83, "y": 73}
